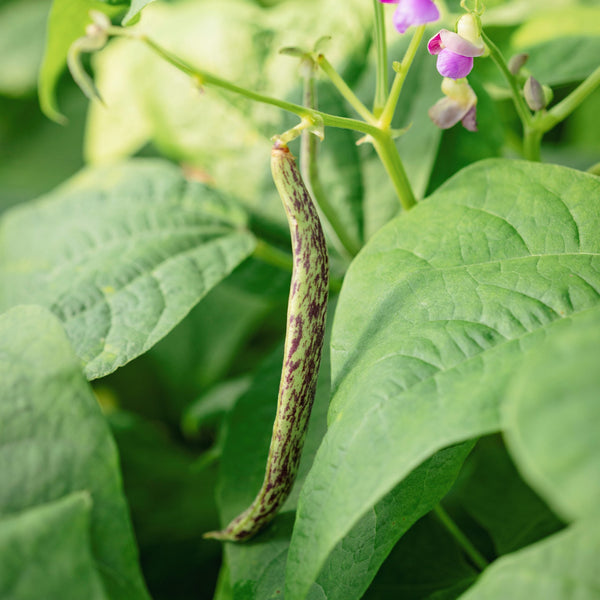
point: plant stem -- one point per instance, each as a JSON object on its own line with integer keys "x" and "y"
{"x": 532, "y": 141}
{"x": 521, "y": 107}
{"x": 382, "y": 83}
{"x": 564, "y": 108}
{"x": 309, "y": 169}
{"x": 478, "y": 559}
{"x": 387, "y": 115}
{"x": 388, "y": 154}
{"x": 345, "y": 90}
{"x": 203, "y": 77}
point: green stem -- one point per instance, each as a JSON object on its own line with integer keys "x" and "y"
{"x": 309, "y": 169}
{"x": 388, "y": 154}
{"x": 345, "y": 90}
{"x": 387, "y": 115}
{"x": 532, "y": 142}
{"x": 518, "y": 99}
{"x": 478, "y": 559}
{"x": 382, "y": 83}
{"x": 564, "y": 108}
{"x": 203, "y": 77}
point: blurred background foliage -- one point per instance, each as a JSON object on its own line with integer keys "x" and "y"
{"x": 167, "y": 408}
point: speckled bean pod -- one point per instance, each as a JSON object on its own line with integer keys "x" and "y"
{"x": 307, "y": 307}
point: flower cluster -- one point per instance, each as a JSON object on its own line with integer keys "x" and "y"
{"x": 413, "y": 12}
{"x": 455, "y": 53}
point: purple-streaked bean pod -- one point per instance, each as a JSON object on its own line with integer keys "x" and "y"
{"x": 307, "y": 307}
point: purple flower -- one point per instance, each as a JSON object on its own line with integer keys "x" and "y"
{"x": 459, "y": 104}
{"x": 455, "y": 51}
{"x": 413, "y": 12}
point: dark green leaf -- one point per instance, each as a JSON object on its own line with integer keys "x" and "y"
{"x": 493, "y": 493}
{"x": 120, "y": 255}
{"x": 434, "y": 316}
{"x": 552, "y": 415}
{"x": 54, "y": 441}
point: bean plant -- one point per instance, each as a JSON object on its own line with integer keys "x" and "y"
{"x": 299, "y": 299}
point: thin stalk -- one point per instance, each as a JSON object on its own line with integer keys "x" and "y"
{"x": 519, "y": 101}
{"x": 387, "y": 115}
{"x": 204, "y": 78}
{"x": 532, "y": 142}
{"x": 563, "y": 109}
{"x": 388, "y": 154}
{"x": 478, "y": 559}
{"x": 345, "y": 90}
{"x": 309, "y": 169}
{"x": 382, "y": 83}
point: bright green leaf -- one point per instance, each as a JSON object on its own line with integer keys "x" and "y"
{"x": 434, "y": 316}
{"x": 562, "y": 566}
{"x": 552, "y": 415}
{"x": 120, "y": 254}
{"x": 54, "y": 441}
{"x": 257, "y": 568}
{"x": 48, "y": 548}
{"x": 66, "y": 23}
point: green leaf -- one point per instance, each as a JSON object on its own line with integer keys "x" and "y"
{"x": 493, "y": 493}
{"x": 48, "y": 548}
{"x": 434, "y": 316}
{"x": 257, "y": 568}
{"x": 66, "y": 23}
{"x": 562, "y": 566}
{"x": 563, "y": 60}
{"x": 22, "y": 26}
{"x": 134, "y": 10}
{"x": 552, "y": 414}
{"x": 54, "y": 441}
{"x": 120, "y": 254}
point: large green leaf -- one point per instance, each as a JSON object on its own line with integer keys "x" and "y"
{"x": 552, "y": 414}
{"x": 54, "y": 441}
{"x": 220, "y": 133}
{"x": 562, "y": 566}
{"x": 257, "y": 568}
{"x": 48, "y": 548}
{"x": 434, "y": 315}
{"x": 120, "y": 254}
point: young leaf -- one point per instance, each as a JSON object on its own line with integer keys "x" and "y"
{"x": 564, "y": 565}
{"x": 552, "y": 414}
{"x": 66, "y": 23}
{"x": 54, "y": 441}
{"x": 120, "y": 254}
{"x": 434, "y": 316}
{"x": 48, "y": 548}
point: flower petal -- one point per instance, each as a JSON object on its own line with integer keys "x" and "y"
{"x": 390, "y": 1}
{"x": 414, "y": 12}
{"x": 469, "y": 121}
{"x": 445, "y": 113}
{"x": 455, "y": 66}
{"x": 434, "y": 45}
{"x": 459, "y": 44}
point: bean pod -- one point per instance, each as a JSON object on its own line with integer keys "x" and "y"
{"x": 307, "y": 307}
